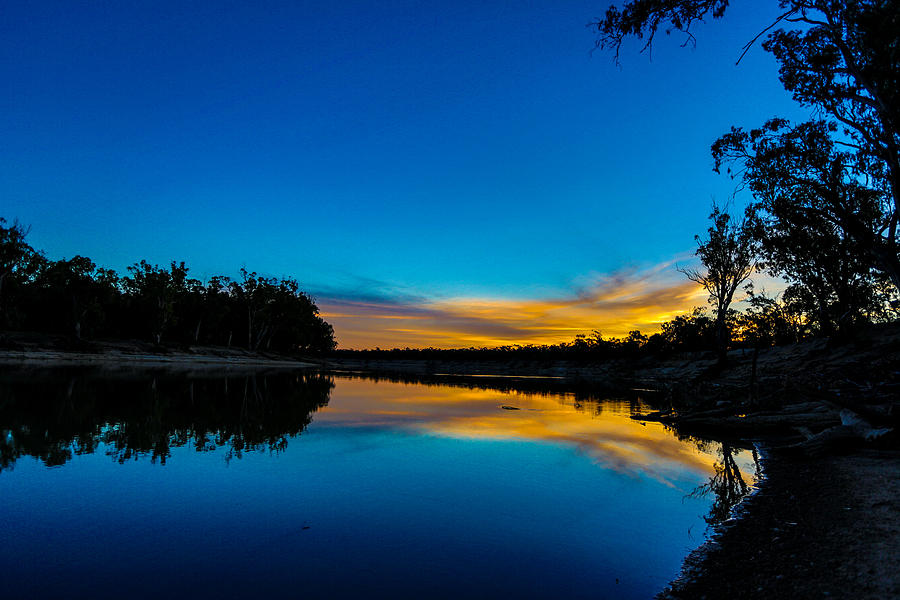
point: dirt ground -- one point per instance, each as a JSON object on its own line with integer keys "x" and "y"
{"x": 818, "y": 528}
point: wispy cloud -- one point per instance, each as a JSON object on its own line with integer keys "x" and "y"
{"x": 614, "y": 303}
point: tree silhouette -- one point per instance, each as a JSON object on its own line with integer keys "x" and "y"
{"x": 728, "y": 256}
{"x": 18, "y": 262}
{"x": 78, "y": 289}
{"x": 154, "y": 291}
{"x": 808, "y": 188}
{"x": 843, "y": 63}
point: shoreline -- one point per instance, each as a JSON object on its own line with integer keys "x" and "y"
{"x": 172, "y": 359}
{"x": 815, "y": 528}
{"x": 693, "y": 568}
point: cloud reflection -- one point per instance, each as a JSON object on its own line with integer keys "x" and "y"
{"x": 603, "y": 431}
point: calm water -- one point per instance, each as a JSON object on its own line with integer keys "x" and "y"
{"x": 320, "y": 486}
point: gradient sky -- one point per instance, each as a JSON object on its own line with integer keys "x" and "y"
{"x": 434, "y": 173}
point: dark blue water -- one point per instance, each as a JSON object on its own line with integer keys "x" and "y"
{"x": 283, "y": 485}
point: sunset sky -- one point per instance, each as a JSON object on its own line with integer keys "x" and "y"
{"x": 435, "y": 174}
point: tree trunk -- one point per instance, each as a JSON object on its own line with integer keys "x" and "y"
{"x": 721, "y": 340}
{"x": 752, "y": 397}
{"x": 249, "y": 329}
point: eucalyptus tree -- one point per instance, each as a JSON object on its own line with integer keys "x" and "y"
{"x": 837, "y": 57}
{"x": 728, "y": 256}
{"x": 19, "y": 262}
{"x": 78, "y": 291}
{"x": 819, "y": 202}
{"x": 279, "y": 315}
{"x": 154, "y": 291}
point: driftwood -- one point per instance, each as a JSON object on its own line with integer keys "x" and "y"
{"x": 725, "y": 420}
{"x": 853, "y": 431}
{"x": 751, "y": 425}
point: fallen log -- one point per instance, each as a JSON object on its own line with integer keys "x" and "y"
{"x": 854, "y": 431}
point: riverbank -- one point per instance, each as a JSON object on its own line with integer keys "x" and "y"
{"x": 56, "y": 351}
{"x": 828, "y": 527}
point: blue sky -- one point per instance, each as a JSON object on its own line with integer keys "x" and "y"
{"x": 398, "y": 154}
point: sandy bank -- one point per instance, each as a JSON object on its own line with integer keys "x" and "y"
{"x": 52, "y": 351}
{"x": 50, "y": 358}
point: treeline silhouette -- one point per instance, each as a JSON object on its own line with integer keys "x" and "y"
{"x": 146, "y": 414}
{"x": 159, "y": 304}
{"x": 766, "y": 322}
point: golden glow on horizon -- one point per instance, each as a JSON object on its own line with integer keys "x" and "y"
{"x": 608, "y": 435}
{"x": 613, "y": 305}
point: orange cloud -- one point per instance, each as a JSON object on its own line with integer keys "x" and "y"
{"x": 614, "y": 304}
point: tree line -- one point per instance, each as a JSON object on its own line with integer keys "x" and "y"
{"x": 158, "y": 304}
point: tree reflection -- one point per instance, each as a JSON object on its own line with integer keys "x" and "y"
{"x": 728, "y": 485}
{"x": 54, "y": 415}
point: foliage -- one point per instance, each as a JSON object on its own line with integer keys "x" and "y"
{"x": 161, "y": 304}
{"x": 18, "y": 265}
{"x": 768, "y": 322}
{"x": 826, "y": 192}
{"x": 841, "y": 59}
{"x": 728, "y": 256}
{"x": 818, "y": 214}
{"x": 152, "y": 292}
{"x": 72, "y": 294}
{"x": 643, "y": 18}
{"x": 691, "y": 333}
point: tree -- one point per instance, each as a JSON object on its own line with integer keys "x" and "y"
{"x": 18, "y": 262}
{"x": 213, "y": 309}
{"x": 154, "y": 291}
{"x": 690, "y": 333}
{"x": 769, "y": 321}
{"x": 78, "y": 289}
{"x": 727, "y": 486}
{"x": 280, "y": 316}
{"x": 807, "y": 187}
{"x": 253, "y": 292}
{"x": 843, "y": 62}
{"x": 728, "y": 256}
{"x": 643, "y": 18}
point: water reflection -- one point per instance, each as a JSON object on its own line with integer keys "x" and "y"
{"x": 55, "y": 414}
{"x": 728, "y": 484}
{"x": 424, "y": 490}
{"x": 600, "y": 428}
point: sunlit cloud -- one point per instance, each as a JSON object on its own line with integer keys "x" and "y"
{"x": 613, "y": 303}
